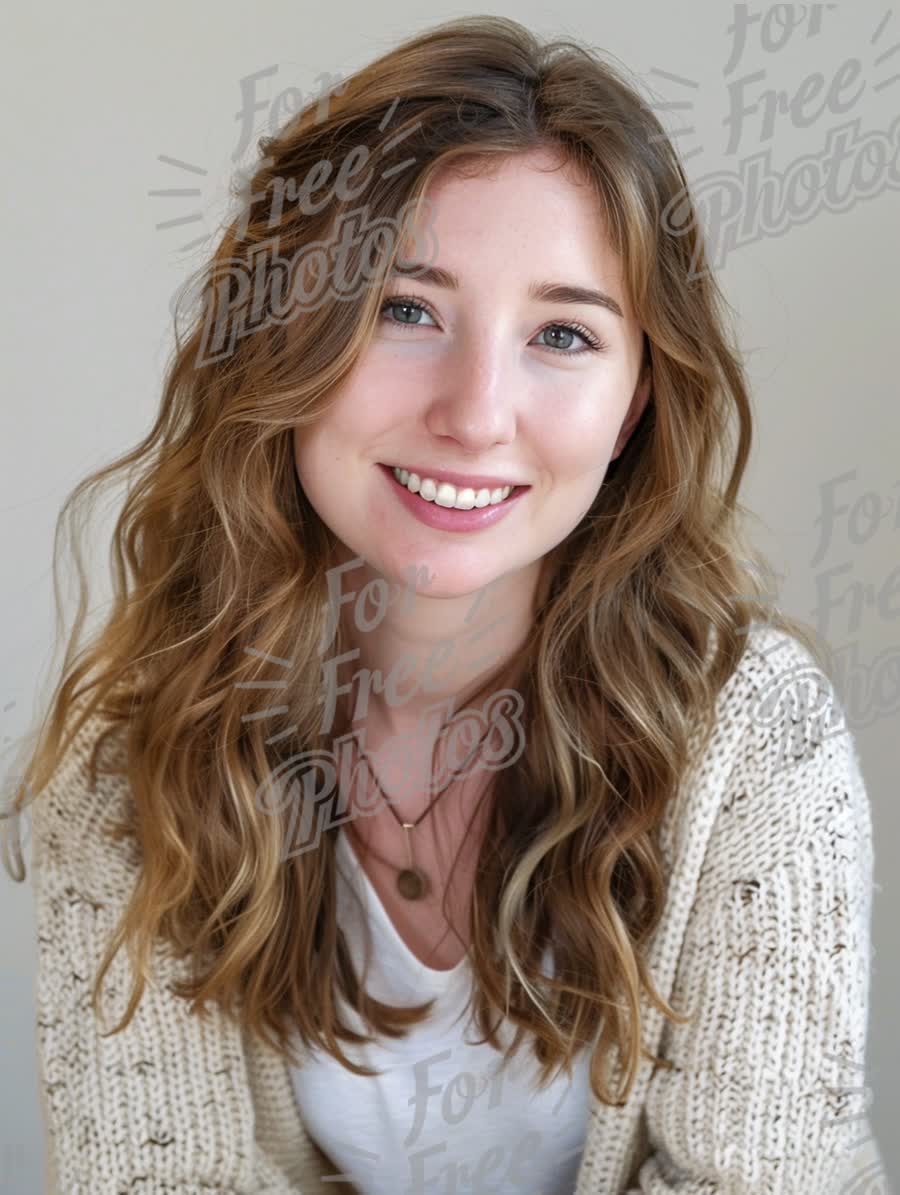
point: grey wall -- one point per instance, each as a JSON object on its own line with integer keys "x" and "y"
{"x": 95, "y": 93}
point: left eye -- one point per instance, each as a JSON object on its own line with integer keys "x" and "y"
{"x": 592, "y": 343}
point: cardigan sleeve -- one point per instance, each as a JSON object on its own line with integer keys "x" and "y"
{"x": 765, "y": 1097}
{"x": 163, "y": 1105}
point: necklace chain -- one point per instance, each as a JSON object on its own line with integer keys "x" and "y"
{"x": 412, "y": 882}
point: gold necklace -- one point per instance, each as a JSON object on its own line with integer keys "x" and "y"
{"x": 412, "y": 882}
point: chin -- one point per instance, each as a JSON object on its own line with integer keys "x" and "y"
{"x": 442, "y": 572}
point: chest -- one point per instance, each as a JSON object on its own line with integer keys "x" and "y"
{"x": 440, "y": 1115}
{"x": 434, "y": 928}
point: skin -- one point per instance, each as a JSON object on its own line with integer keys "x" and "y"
{"x": 477, "y": 387}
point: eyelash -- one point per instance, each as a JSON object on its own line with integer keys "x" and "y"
{"x": 594, "y": 343}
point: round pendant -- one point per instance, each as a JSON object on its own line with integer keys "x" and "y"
{"x": 412, "y": 883}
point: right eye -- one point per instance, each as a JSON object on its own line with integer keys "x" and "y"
{"x": 409, "y": 304}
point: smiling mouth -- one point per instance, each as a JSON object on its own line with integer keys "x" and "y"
{"x": 451, "y": 497}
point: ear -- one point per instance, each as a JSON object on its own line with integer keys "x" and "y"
{"x": 636, "y": 409}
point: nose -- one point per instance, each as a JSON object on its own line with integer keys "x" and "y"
{"x": 475, "y": 400}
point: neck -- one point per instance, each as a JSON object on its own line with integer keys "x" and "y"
{"x": 428, "y": 651}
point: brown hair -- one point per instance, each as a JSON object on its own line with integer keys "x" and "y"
{"x": 220, "y": 562}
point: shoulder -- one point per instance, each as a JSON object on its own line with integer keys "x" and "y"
{"x": 780, "y": 763}
{"x": 776, "y": 709}
{"x": 791, "y": 776}
{"x": 76, "y": 818}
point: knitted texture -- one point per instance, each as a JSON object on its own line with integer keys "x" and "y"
{"x": 764, "y": 941}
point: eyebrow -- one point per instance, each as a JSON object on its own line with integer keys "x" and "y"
{"x": 548, "y": 292}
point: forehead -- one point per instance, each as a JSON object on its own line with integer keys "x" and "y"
{"x": 511, "y": 219}
{"x": 520, "y": 188}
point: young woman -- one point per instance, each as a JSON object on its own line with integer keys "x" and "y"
{"x": 442, "y": 804}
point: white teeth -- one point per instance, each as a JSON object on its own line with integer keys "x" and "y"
{"x": 444, "y": 494}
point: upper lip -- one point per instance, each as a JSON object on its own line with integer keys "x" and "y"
{"x": 472, "y": 481}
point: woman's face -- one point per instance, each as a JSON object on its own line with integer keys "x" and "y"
{"x": 481, "y": 380}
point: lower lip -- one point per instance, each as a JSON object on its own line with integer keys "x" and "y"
{"x": 448, "y": 519}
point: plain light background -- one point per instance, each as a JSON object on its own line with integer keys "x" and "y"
{"x": 93, "y": 94}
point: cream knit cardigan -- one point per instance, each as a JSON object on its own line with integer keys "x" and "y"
{"x": 769, "y": 858}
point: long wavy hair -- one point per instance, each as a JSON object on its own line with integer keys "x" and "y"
{"x": 220, "y": 562}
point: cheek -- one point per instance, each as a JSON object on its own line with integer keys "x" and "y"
{"x": 298, "y": 452}
{"x": 304, "y": 453}
{"x": 315, "y": 461}
{"x": 320, "y": 446}
{"x": 578, "y": 446}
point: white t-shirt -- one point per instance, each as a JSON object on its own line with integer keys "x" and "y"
{"x": 437, "y": 1121}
